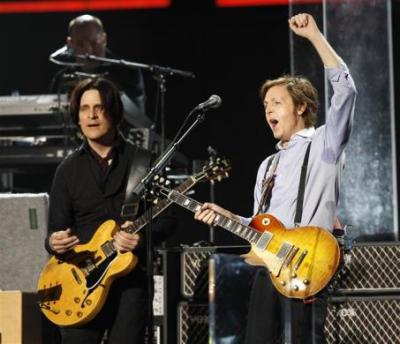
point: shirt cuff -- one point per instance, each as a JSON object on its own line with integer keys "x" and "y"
{"x": 245, "y": 221}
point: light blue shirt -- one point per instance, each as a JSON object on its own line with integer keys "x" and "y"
{"x": 324, "y": 166}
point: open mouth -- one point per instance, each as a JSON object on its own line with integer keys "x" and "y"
{"x": 273, "y": 123}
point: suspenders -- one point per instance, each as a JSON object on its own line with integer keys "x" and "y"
{"x": 302, "y": 186}
{"x": 267, "y": 187}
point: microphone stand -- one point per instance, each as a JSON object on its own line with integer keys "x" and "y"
{"x": 158, "y": 165}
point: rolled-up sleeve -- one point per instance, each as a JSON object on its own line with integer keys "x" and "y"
{"x": 339, "y": 119}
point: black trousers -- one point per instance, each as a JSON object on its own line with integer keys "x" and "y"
{"x": 274, "y": 319}
{"x": 124, "y": 316}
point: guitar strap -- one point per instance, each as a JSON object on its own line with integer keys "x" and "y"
{"x": 302, "y": 186}
{"x": 134, "y": 188}
{"x": 268, "y": 185}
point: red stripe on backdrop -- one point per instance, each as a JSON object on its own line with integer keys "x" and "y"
{"x": 79, "y": 5}
{"x": 243, "y": 3}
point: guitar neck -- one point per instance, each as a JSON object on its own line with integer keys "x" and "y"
{"x": 156, "y": 209}
{"x": 245, "y": 232}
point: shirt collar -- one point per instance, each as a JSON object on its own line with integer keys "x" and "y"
{"x": 304, "y": 133}
{"x": 117, "y": 145}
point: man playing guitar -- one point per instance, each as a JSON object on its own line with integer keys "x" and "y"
{"x": 295, "y": 198}
{"x": 88, "y": 189}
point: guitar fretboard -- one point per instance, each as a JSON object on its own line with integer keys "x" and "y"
{"x": 156, "y": 209}
{"x": 245, "y": 232}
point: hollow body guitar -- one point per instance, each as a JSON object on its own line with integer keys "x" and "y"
{"x": 72, "y": 288}
{"x": 301, "y": 261}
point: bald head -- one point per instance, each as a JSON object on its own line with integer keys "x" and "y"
{"x": 84, "y": 20}
{"x": 86, "y": 36}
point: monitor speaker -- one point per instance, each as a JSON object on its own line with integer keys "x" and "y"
{"x": 23, "y": 229}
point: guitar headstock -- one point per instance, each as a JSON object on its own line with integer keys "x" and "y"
{"x": 159, "y": 183}
{"x": 215, "y": 169}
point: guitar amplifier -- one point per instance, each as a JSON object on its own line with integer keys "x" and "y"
{"x": 22, "y": 234}
{"x": 370, "y": 268}
{"x": 372, "y": 320}
{"x": 192, "y": 323}
{"x": 195, "y": 268}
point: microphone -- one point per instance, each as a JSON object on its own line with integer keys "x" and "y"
{"x": 62, "y": 52}
{"x": 64, "y": 56}
{"x": 212, "y": 103}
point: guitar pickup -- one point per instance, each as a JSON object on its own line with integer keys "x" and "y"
{"x": 264, "y": 241}
{"x": 284, "y": 250}
{"x": 108, "y": 248}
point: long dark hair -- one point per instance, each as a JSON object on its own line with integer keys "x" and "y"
{"x": 109, "y": 95}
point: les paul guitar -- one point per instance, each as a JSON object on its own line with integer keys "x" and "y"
{"x": 301, "y": 261}
{"x": 72, "y": 289}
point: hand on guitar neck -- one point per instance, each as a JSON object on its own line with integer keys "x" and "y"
{"x": 209, "y": 212}
{"x": 124, "y": 241}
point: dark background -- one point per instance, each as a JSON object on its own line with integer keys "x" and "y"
{"x": 231, "y": 51}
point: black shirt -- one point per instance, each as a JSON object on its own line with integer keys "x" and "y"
{"x": 83, "y": 196}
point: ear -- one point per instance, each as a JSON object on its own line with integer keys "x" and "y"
{"x": 104, "y": 38}
{"x": 69, "y": 41}
{"x": 301, "y": 108}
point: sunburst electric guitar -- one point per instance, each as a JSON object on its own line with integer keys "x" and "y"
{"x": 301, "y": 260}
{"x": 73, "y": 288}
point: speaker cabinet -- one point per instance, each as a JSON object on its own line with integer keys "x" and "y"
{"x": 23, "y": 229}
{"x": 192, "y": 323}
{"x": 194, "y": 272}
{"x": 369, "y": 268}
{"x": 195, "y": 269}
{"x": 372, "y": 320}
{"x": 20, "y": 318}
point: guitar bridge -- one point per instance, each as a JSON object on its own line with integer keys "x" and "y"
{"x": 300, "y": 260}
{"x": 291, "y": 255}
